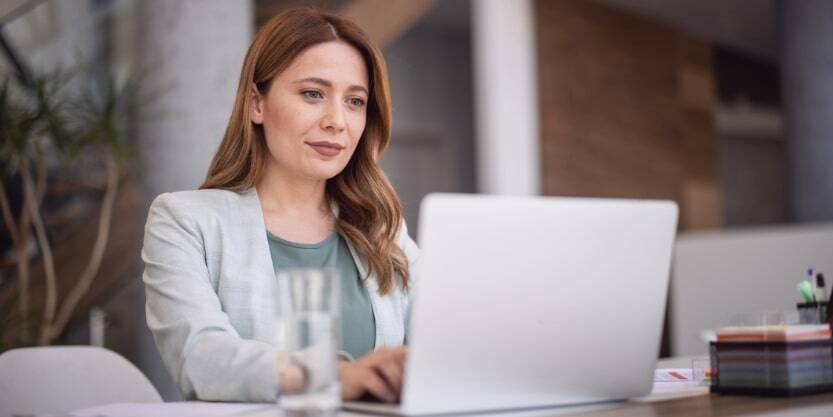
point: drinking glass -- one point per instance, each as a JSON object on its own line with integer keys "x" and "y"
{"x": 307, "y": 309}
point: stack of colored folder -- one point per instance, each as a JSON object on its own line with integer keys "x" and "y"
{"x": 778, "y": 360}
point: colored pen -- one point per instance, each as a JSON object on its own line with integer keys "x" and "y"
{"x": 821, "y": 294}
{"x": 806, "y": 291}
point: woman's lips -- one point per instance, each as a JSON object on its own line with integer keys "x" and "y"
{"x": 326, "y": 148}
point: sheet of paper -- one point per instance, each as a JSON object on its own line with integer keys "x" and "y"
{"x": 674, "y": 383}
{"x": 673, "y": 375}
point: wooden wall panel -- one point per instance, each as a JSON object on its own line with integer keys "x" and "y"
{"x": 384, "y": 21}
{"x": 627, "y": 109}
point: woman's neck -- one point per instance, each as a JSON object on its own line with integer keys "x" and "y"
{"x": 294, "y": 208}
{"x": 285, "y": 194}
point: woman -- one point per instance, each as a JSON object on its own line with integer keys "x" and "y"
{"x": 295, "y": 182}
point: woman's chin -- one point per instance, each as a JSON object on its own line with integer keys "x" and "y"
{"x": 325, "y": 172}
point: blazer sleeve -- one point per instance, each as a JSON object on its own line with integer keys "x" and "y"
{"x": 203, "y": 352}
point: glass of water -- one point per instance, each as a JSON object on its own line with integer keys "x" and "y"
{"x": 307, "y": 309}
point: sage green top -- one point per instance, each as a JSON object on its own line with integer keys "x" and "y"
{"x": 358, "y": 325}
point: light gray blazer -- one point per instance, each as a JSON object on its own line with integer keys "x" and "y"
{"x": 208, "y": 277}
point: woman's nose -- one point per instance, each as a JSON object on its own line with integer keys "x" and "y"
{"x": 333, "y": 118}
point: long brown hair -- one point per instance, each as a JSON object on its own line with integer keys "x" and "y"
{"x": 370, "y": 213}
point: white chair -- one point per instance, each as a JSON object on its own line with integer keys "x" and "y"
{"x": 58, "y": 379}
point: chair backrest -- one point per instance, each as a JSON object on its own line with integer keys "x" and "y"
{"x": 56, "y": 379}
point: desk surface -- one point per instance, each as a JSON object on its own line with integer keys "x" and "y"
{"x": 702, "y": 406}
{"x": 712, "y": 405}
{"x": 724, "y": 406}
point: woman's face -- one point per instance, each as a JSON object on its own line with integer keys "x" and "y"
{"x": 315, "y": 112}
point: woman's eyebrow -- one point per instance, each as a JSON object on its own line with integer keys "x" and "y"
{"x": 328, "y": 84}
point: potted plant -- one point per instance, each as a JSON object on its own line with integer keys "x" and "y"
{"x": 48, "y": 130}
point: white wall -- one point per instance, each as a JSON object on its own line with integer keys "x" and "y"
{"x": 719, "y": 277}
{"x": 506, "y": 98}
{"x": 55, "y": 34}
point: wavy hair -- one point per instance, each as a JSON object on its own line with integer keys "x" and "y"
{"x": 370, "y": 213}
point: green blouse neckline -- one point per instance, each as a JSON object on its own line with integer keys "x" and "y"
{"x": 318, "y": 245}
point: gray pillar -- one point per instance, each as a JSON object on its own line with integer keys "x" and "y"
{"x": 192, "y": 51}
{"x": 806, "y": 54}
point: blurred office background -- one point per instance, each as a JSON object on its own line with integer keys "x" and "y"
{"x": 721, "y": 106}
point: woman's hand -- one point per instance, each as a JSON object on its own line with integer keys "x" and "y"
{"x": 378, "y": 373}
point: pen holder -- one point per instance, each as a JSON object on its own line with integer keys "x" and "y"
{"x": 812, "y": 312}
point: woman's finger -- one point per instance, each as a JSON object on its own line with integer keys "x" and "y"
{"x": 401, "y": 354}
{"x": 377, "y": 387}
{"x": 391, "y": 371}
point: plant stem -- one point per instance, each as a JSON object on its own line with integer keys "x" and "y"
{"x": 29, "y": 194}
{"x": 104, "y": 224}
{"x": 22, "y": 252}
{"x": 40, "y": 179}
{"x": 8, "y": 217}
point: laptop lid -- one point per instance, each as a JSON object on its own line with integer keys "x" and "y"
{"x": 534, "y": 301}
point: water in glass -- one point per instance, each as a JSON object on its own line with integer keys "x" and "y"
{"x": 307, "y": 335}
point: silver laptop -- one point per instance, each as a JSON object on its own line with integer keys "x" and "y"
{"x": 527, "y": 302}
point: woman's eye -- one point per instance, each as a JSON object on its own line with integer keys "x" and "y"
{"x": 357, "y": 102}
{"x": 311, "y": 94}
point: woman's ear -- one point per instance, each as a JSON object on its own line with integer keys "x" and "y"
{"x": 257, "y": 106}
